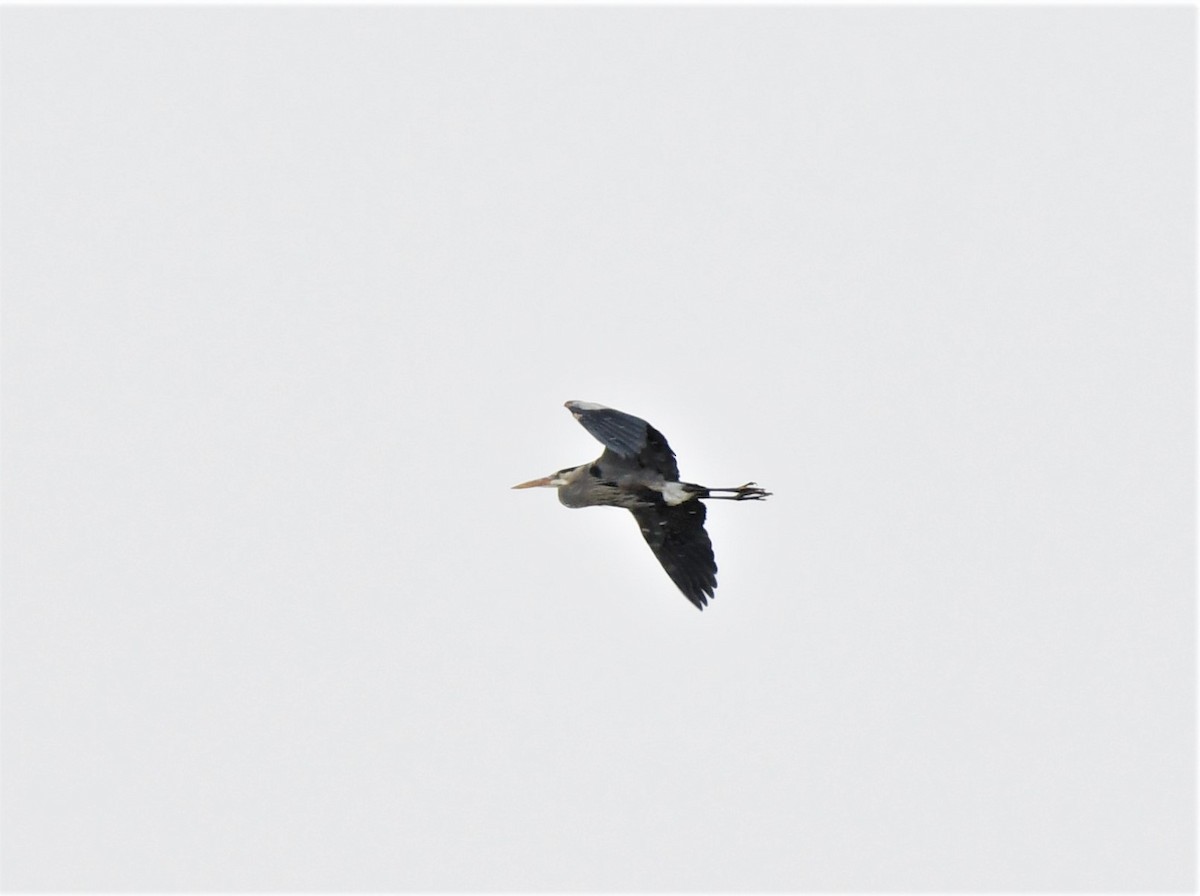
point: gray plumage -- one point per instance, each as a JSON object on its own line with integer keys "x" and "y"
{"x": 638, "y": 471}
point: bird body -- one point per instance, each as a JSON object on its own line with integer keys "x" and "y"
{"x": 594, "y": 485}
{"x": 638, "y": 472}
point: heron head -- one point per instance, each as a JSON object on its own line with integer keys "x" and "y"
{"x": 554, "y": 480}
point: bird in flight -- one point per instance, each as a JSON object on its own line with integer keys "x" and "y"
{"x": 638, "y": 471}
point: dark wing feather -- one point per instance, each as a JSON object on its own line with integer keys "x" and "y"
{"x": 628, "y": 437}
{"x": 677, "y": 537}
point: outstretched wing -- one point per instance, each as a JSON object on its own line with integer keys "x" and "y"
{"x": 677, "y": 537}
{"x": 628, "y": 437}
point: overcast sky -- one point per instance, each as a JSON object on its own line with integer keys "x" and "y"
{"x": 293, "y": 296}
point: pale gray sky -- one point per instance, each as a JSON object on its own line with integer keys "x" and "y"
{"x": 293, "y": 296}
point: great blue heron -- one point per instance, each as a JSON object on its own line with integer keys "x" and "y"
{"x": 638, "y": 471}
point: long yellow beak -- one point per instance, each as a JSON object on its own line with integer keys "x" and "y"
{"x": 534, "y": 483}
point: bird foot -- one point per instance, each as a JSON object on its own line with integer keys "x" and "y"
{"x": 750, "y": 492}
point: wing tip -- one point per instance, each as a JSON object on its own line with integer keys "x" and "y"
{"x": 703, "y": 590}
{"x": 577, "y": 407}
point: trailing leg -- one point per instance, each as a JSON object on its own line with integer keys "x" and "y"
{"x": 748, "y": 492}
